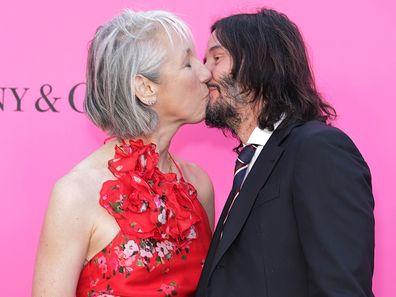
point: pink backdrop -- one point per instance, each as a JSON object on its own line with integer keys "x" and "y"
{"x": 352, "y": 46}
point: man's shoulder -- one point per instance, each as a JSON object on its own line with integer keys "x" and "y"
{"x": 317, "y": 127}
{"x": 317, "y": 130}
{"x": 315, "y": 135}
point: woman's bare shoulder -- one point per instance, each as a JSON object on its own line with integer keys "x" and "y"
{"x": 194, "y": 173}
{"x": 81, "y": 185}
{"x": 198, "y": 177}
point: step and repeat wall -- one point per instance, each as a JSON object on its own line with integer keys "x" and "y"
{"x": 44, "y": 132}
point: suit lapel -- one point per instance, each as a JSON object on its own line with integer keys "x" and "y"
{"x": 208, "y": 268}
{"x": 240, "y": 211}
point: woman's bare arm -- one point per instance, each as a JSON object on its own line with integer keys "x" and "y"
{"x": 203, "y": 184}
{"x": 63, "y": 243}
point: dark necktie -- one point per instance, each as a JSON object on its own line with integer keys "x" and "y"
{"x": 241, "y": 165}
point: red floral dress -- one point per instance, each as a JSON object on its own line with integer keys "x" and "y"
{"x": 164, "y": 231}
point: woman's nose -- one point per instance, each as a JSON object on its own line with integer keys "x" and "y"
{"x": 206, "y": 75}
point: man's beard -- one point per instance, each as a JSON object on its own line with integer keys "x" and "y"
{"x": 223, "y": 113}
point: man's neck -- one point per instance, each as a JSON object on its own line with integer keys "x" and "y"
{"x": 246, "y": 128}
{"x": 249, "y": 119}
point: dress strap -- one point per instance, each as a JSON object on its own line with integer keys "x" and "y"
{"x": 108, "y": 139}
{"x": 177, "y": 166}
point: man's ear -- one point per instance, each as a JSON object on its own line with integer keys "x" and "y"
{"x": 145, "y": 90}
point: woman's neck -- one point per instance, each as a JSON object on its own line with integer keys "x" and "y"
{"x": 162, "y": 137}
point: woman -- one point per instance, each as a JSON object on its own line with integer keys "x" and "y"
{"x": 131, "y": 220}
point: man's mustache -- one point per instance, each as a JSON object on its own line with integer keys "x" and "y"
{"x": 213, "y": 85}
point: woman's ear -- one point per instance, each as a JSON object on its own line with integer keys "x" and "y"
{"x": 145, "y": 90}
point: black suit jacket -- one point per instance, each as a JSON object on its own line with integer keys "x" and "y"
{"x": 302, "y": 225}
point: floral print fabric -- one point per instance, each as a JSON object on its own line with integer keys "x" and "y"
{"x": 164, "y": 231}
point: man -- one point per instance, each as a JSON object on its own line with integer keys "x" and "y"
{"x": 299, "y": 219}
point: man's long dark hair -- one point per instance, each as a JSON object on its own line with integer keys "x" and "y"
{"x": 270, "y": 63}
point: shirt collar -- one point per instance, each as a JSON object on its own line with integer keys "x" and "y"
{"x": 261, "y": 136}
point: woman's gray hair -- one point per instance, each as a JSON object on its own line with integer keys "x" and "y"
{"x": 130, "y": 44}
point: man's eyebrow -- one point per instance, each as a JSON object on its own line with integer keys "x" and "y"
{"x": 215, "y": 47}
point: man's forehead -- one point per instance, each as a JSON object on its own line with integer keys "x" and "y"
{"x": 213, "y": 43}
{"x": 213, "y": 39}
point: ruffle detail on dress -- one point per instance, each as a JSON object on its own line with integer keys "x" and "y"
{"x": 146, "y": 202}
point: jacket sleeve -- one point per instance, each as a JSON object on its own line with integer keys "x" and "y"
{"x": 333, "y": 205}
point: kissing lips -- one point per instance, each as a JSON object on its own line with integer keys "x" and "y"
{"x": 214, "y": 90}
{"x": 213, "y": 87}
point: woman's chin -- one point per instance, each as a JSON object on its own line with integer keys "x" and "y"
{"x": 197, "y": 119}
